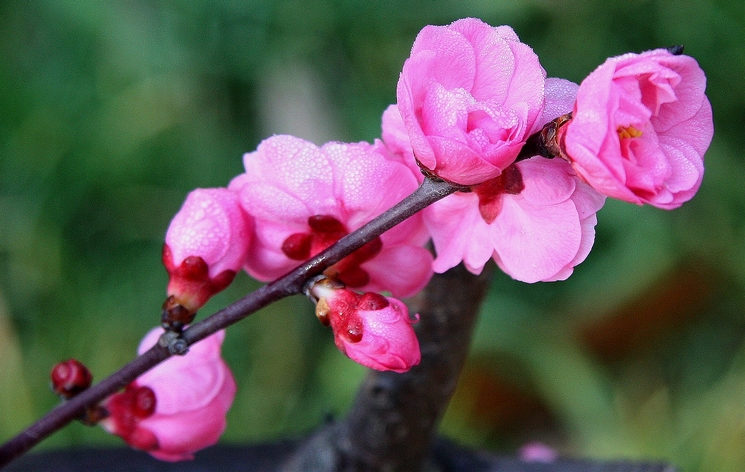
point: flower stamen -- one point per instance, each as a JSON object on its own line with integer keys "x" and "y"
{"x": 628, "y": 132}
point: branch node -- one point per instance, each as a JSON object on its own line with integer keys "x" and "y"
{"x": 174, "y": 342}
{"x": 178, "y": 347}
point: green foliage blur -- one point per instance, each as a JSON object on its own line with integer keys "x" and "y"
{"x": 110, "y": 112}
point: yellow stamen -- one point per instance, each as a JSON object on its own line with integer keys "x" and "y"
{"x": 628, "y": 132}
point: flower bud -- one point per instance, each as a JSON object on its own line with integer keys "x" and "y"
{"x": 369, "y": 328}
{"x": 179, "y": 406}
{"x": 206, "y": 244}
{"x": 69, "y": 378}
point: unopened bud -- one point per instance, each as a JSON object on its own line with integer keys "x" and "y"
{"x": 69, "y": 378}
{"x": 206, "y": 244}
{"x": 369, "y": 328}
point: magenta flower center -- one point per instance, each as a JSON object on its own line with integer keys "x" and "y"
{"x": 126, "y": 409}
{"x": 323, "y": 231}
{"x": 510, "y": 181}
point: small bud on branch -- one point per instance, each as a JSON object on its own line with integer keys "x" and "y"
{"x": 69, "y": 378}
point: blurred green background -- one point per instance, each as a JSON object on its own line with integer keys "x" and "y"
{"x": 110, "y": 112}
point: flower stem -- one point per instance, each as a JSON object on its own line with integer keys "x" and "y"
{"x": 290, "y": 284}
{"x": 545, "y": 142}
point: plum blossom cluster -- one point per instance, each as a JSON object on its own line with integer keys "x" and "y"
{"x": 298, "y": 199}
{"x": 533, "y": 160}
{"x": 470, "y": 97}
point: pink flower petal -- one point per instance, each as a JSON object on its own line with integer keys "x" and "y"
{"x": 538, "y": 234}
{"x": 404, "y": 269}
{"x": 459, "y": 233}
{"x": 534, "y": 243}
{"x": 560, "y": 97}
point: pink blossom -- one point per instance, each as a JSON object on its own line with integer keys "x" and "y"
{"x": 304, "y": 198}
{"x": 537, "y": 221}
{"x": 179, "y": 406}
{"x": 469, "y": 95}
{"x": 640, "y": 128}
{"x": 206, "y": 244}
{"x": 369, "y": 328}
{"x": 560, "y": 95}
